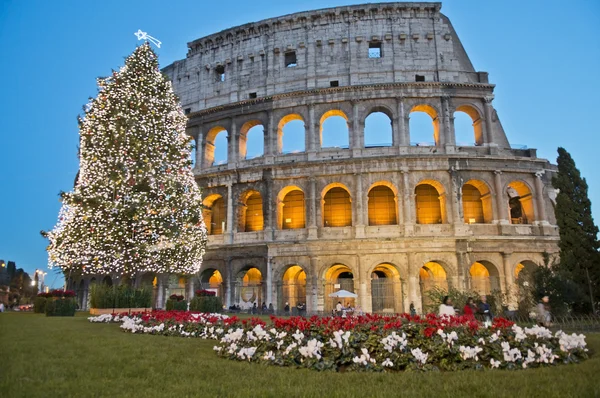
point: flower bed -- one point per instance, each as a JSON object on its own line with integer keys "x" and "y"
{"x": 368, "y": 343}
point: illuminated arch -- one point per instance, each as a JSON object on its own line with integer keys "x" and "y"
{"x": 382, "y": 204}
{"x": 520, "y": 203}
{"x": 336, "y": 206}
{"x": 378, "y": 128}
{"x": 249, "y": 287}
{"x": 422, "y": 138}
{"x": 251, "y": 134}
{"x": 485, "y": 277}
{"x": 473, "y": 135}
{"x": 432, "y": 275}
{"x": 291, "y": 208}
{"x": 214, "y": 214}
{"x": 338, "y": 277}
{"x": 293, "y": 286}
{"x": 211, "y": 143}
{"x": 333, "y": 130}
{"x": 292, "y": 124}
{"x": 477, "y": 202}
{"x": 430, "y": 201}
{"x": 386, "y": 289}
{"x": 251, "y": 212}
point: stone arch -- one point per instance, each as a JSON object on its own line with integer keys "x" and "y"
{"x": 432, "y": 275}
{"x": 211, "y": 144}
{"x": 294, "y": 128}
{"x": 107, "y": 280}
{"x": 484, "y": 277}
{"x": 292, "y": 286}
{"x": 252, "y": 135}
{"x": 336, "y": 206}
{"x": 477, "y": 202}
{"x": 525, "y": 265}
{"x": 382, "y": 204}
{"x": 379, "y": 129}
{"x": 475, "y": 134}
{"x": 212, "y": 279}
{"x": 430, "y": 202}
{"x": 251, "y": 214}
{"x": 291, "y": 208}
{"x": 386, "y": 288}
{"x": 421, "y": 138}
{"x": 338, "y": 277}
{"x": 248, "y": 287}
{"x": 520, "y": 202}
{"x": 214, "y": 214}
{"x": 331, "y": 130}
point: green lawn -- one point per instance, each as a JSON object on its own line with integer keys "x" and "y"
{"x": 70, "y": 357}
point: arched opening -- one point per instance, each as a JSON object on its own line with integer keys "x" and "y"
{"x": 476, "y": 202}
{"x": 382, "y": 206}
{"x": 432, "y": 276}
{"x": 484, "y": 277}
{"x": 386, "y": 289}
{"x": 524, "y": 273}
{"x": 430, "y": 204}
{"x": 216, "y": 147}
{"x": 424, "y": 126}
{"x": 251, "y": 212}
{"x": 212, "y": 280}
{"x": 291, "y": 134}
{"x": 293, "y": 288}
{"x": 468, "y": 130}
{"x": 214, "y": 214}
{"x": 248, "y": 289}
{"x": 338, "y": 277}
{"x": 107, "y": 280}
{"x": 378, "y": 129}
{"x": 252, "y": 140}
{"x": 291, "y": 208}
{"x": 520, "y": 203}
{"x": 337, "y": 208}
{"x": 334, "y": 132}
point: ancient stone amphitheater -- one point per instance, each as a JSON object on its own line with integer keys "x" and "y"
{"x": 387, "y": 221}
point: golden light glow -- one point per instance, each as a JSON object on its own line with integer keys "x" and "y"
{"x": 294, "y": 286}
{"x": 521, "y": 208}
{"x": 251, "y": 215}
{"x": 293, "y": 210}
{"x": 337, "y": 208}
{"x": 252, "y": 277}
{"x": 215, "y": 279}
{"x": 472, "y": 205}
{"x": 382, "y": 206}
{"x": 429, "y": 209}
{"x": 477, "y": 122}
{"x": 214, "y": 214}
{"x": 518, "y": 269}
{"x": 434, "y": 119}
{"x": 209, "y": 151}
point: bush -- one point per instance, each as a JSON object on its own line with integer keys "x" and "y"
{"x": 459, "y": 299}
{"x": 39, "y": 305}
{"x": 204, "y": 293}
{"x": 177, "y": 305}
{"x": 104, "y": 296}
{"x": 60, "y": 307}
{"x": 210, "y": 304}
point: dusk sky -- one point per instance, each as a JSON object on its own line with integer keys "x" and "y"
{"x": 544, "y": 57}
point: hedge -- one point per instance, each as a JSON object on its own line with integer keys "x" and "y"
{"x": 209, "y": 304}
{"x": 60, "y": 307}
{"x": 176, "y": 305}
{"x": 39, "y": 305}
{"x": 104, "y": 296}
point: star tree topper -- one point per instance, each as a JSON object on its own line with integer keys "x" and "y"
{"x": 145, "y": 36}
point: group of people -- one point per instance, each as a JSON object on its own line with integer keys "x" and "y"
{"x": 345, "y": 310}
{"x": 470, "y": 309}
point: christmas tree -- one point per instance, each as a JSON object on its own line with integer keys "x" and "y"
{"x": 135, "y": 206}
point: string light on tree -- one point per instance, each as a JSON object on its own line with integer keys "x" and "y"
{"x": 135, "y": 206}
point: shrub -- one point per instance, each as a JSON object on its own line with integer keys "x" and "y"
{"x": 177, "y": 305}
{"x": 205, "y": 293}
{"x": 104, "y": 296}
{"x": 176, "y": 297}
{"x": 459, "y": 299}
{"x": 60, "y": 306}
{"x": 39, "y": 304}
{"x": 209, "y": 304}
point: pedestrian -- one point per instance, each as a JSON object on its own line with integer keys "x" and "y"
{"x": 446, "y": 308}
{"x": 254, "y": 308}
{"x": 338, "y": 308}
{"x": 543, "y": 312}
{"x": 1, "y": 306}
{"x": 413, "y": 311}
{"x": 271, "y": 309}
{"x": 470, "y": 309}
{"x": 286, "y": 309}
{"x": 485, "y": 310}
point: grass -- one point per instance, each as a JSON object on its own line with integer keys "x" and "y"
{"x": 70, "y": 357}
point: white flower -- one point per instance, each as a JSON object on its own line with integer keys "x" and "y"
{"x": 217, "y": 348}
{"x": 364, "y": 359}
{"x": 469, "y": 352}
{"x": 419, "y": 355}
{"x": 494, "y": 363}
{"x": 298, "y": 335}
{"x": 269, "y": 356}
{"x": 393, "y": 340}
{"x": 312, "y": 349}
{"x": 481, "y": 341}
{"x": 387, "y": 363}
{"x": 246, "y": 353}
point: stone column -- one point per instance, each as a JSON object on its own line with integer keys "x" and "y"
{"x": 270, "y": 282}
{"x": 449, "y": 138}
{"x": 402, "y": 138}
{"x": 230, "y": 221}
{"x": 232, "y": 149}
{"x": 501, "y": 205}
{"x": 414, "y": 295}
{"x": 359, "y": 208}
{"x": 312, "y": 210}
{"x": 269, "y": 229}
{"x": 539, "y": 196}
{"x": 316, "y": 302}
{"x": 509, "y": 282}
{"x": 160, "y": 294}
{"x": 270, "y": 130}
{"x": 229, "y": 285}
{"x": 489, "y": 133}
{"x": 199, "y": 149}
{"x": 311, "y": 139}
{"x": 357, "y": 140}
{"x": 454, "y": 200}
{"x": 406, "y": 201}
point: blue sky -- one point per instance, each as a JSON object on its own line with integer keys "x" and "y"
{"x": 543, "y": 56}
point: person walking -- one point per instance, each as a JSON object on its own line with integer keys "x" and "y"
{"x": 446, "y": 308}
{"x": 543, "y": 312}
{"x": 485, "y": 310}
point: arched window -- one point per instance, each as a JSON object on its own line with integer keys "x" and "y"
{"x": 251, "y": 212}
{"x": 382, "y": 206}
{"x": 214, "y": 214}
{"x": 291, "y": 134}
{"x": 252, "y": 140}
{"x": 248, "y": 287}
{"x": 520, "y": 203}
{"x": 429, "y": 205}
{"x": 293, "y": 210}
{"x": 431, "y": 276}
{"x": 468, "y": 130}
{"x": 293, "y": 287}
{"x": 477, "y": 202}
{"x": 216, "y": 147}
{"x": 423, "y": 126}
{"x": 337, "y": 208}
{"x": 334, "y": 130}
{"x": 338, "y": 277}
{"x": 386, "y": 289}
{"x": 378, "y": 130}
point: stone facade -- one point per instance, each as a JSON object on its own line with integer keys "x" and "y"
{"x": 393, "y": 58}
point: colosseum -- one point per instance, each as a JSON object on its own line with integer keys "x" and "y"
{"x": 380, "y": 212}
